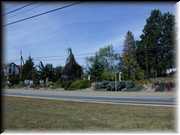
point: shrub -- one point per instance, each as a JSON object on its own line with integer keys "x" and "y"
{"x": 119, "y": 86}
{"x": 19, "y": 85}
{"x": 66, "y": 84}
{"x": 159, "y": 86}
{"x": 36, "y": 86}
{"x": 139, "y": 74}
{"x": 106, "y": 75}
{"x": 79, "y": 84}
{"x": 101, "y": 85}
{"x": 129, "y": 84}
{"x": 57, "y": 84}
{"x": 110, "y": 86}
{"x": 14, "y": 79}
{"x": 142, "y": 82}
{"x": 50, "y": 84}
{"x": 163, "y": 86}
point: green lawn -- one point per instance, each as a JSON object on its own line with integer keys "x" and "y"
{"x": 39, "y": 114}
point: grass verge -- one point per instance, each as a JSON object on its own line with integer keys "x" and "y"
{"x": 38, "y": 114}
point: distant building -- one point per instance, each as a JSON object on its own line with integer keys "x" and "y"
{"x": 11, "y": 69}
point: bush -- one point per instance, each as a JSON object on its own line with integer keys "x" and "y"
{"x": 20, "y": 85}
{"x": 66, "y": 84}
{"x": 119, "y": 86}
{"x": 110, "y": 86}
{"x": 79, "y": 84}
{"x": 14, "y": 79}
{"x": 57, "y": 84}
{"x": 101, "y": 85}
{"x": 106, "y": 75}
{"x": 163, "y": 86}
{"x": 139, "y": 74}
{"x": 126, "y": 85}
{"x": 129, "y": 84}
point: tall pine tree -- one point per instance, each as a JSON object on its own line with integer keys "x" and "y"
{"x": 167, "y": 43}
{"x": 150, "y": 43}
{"x": 28, "y": 70}
{"x": 130, "y": 67}
{"x": 155, "y": 50}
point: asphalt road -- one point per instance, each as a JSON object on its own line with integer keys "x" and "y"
{"x": 130, "y": 100}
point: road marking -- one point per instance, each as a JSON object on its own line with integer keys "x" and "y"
{"x": 90, "y": 101}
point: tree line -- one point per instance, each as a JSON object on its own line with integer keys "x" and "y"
{"x": 148, "y": 57}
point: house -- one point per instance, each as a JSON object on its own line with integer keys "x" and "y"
{"x": 11, "y": 69}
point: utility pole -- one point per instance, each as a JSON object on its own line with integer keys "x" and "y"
{"x": 120, "y": 76}
{"x": 21, "y": 64}
{"x": 147, "y": 68}
{"x": 115, "y": 81}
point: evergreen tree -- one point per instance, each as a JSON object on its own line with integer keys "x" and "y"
{"x": 130, "y": 67}
{"x": 72, "y": 70}
{"x": 57, "y": 73}
{"x": 103, "y": 65}
{"x": 96, "y": 69}
{"x": 150, "y": 43}
{"x": 155, "y": 51}
{"x": 167, "y": 43}
{"x": 28, "y": 70}
{"x": 46, "y": 72}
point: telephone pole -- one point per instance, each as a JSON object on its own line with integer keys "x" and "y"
{"x": 21, "y": 64}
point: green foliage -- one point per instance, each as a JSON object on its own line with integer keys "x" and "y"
{"x": 19, "y": 85}
{"x": 13, "y": 79}
{"x": 144, "y": 81}
{"x": 57, "y": 84}
{"x": 103, "y": 64}
{"x": 57, "y": 73}
{"x": 72, "y": 70}
{"x": 96, "y": 69}
{"x": 130, "y": 67}
{"x": 79, "y": 84}
{"x": 129, "y": 84}
{"x": 101, "y": 85}
{"x": 66, "y": 84}
{"x": 107, "y": 75}
{"x": 118, "y": 86}
{"x": 163, "y": 86}
{"x": 28, "y": 70}
{"x": 156, "y": 49}
{"x": 46, "y": 71}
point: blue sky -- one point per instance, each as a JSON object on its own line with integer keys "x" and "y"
{"x": 84, "y": 27}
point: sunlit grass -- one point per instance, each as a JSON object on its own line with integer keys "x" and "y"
{"x": 39, "y": 114}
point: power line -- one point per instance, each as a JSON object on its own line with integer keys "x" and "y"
{"x": 37, "y": 15}
{"x": 78, "y": 56}
{"x": 17, "y": 9}
{"x": 83, "y": 55}
{"x": 64, "y": 56}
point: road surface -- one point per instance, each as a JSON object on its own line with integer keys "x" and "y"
{"x": 168, "y": 101}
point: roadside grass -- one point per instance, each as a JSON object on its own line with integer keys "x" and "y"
{"x": 39, "y": 114}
